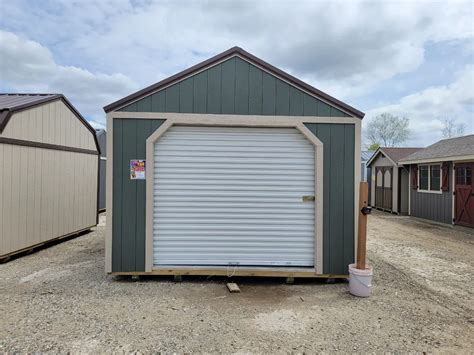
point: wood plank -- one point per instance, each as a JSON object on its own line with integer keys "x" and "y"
{"x": 158, "y": 101}
{"x": 282, "y": 98}
{"x": 117, "y": 193}
{"x": 144, "y": 129}
{"x": 200, "y": 92}
{"x": 310, "y": 106}
{"x": 233, "y": 287}
{"x": 336, "y": 190}
{"x": 15, "y": 201}
{"x": 129, "y": 191}
{"x": 255, "y": 90}
{"x": 349, "y": 194}
{"x": 144, "y": 105}
{"x": 228, "y": 86}
{"x": 241, "y": 87}
{"x": 268, "y": 94}
{"x": 186, "y": 96}
{"x": 172, "y": 98}
{"x": 214, "y": 90}
{"x": 324, "y": 109}
{"x": 296, "y": 102}
{"x": 238, "y": 272}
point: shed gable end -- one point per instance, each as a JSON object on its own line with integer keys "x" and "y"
{"x": 234, "y": 86}
{"x": 52, "y": 123}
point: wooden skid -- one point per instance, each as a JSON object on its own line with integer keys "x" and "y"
{"x": 237, "y": 272}
{"x": 32, "y": 248}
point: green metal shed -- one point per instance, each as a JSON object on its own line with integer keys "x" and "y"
{"x": 232, "y": 167}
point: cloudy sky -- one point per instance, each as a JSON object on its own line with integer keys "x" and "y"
{"x": 410, "y": 58}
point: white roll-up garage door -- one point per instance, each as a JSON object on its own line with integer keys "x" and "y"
{"x": 233, "y": 196}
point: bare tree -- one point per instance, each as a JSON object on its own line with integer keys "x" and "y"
{"x": 451, "y": 128}
{"x": 387, "y": 130}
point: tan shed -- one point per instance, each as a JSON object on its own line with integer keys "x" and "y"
{"x": 390, "y": 179}
{"x": 49, "y": 160}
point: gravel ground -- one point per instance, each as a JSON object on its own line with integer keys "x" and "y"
{"x": 59, "y": 299}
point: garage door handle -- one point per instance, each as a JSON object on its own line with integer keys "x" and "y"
{"x": 309, "y": 198}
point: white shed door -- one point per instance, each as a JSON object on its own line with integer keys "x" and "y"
{"x": 233, "y": 196}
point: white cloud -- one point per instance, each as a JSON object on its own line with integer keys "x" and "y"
{"x": 27, "y": 66}
{"x": 427, "y": 108}
{"x": 344, "y": 48}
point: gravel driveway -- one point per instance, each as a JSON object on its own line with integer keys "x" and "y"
{"x": 59, "y": 299}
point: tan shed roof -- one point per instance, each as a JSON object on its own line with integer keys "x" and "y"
{"x": 446, "y": 148}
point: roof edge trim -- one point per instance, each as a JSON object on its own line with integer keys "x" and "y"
{"x": 376, "y": 153}
{"x": 453, "y": 158}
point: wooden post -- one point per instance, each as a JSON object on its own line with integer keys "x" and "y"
{"x": 362, "y": 231}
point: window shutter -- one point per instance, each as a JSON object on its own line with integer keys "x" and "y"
{"x": 445, "y": 177}
{"x": 414, "y": 177}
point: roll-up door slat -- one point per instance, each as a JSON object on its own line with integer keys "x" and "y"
{"x": 227, "y": 196}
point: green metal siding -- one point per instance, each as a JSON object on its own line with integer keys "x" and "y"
{"x": 338, "y": 199}
{"x": 128, "y": 225}
{"x": 234, "y": 87}
{"x": 128, "y": 245}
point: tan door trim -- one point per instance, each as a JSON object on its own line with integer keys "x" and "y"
{"x": 227, "y": 121}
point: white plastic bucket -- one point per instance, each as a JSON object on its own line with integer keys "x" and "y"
{"x": 360, "y": 281}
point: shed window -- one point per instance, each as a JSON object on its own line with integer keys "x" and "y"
{"x": 430, "y": 177}
{"x": 379, "y": 178}
{"x": 463, "y": 175}
{"x": 435, "y": 178}
{"x": 423, "y": 172}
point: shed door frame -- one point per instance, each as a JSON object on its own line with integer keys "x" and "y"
{"x": 464, "y": 193}
{"x": 382, "y": 191}
{"x": 214, "y": 120}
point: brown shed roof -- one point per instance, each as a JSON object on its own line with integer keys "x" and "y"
{"x": 228, "y": 54}
{"x": 394, "y": 154}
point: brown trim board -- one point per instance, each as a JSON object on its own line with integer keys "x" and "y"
{"x": 228, "y": 54}
{"x": 24, "y": 143}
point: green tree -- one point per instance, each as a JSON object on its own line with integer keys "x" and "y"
{"x": 373, "y": 147}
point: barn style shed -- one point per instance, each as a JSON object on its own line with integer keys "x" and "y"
{"x": 102, "y": 140}
{"x": 49, "y": 160}
{"x": 442, "y": 184}
{"x": 232, "y": 167}
{"x": 389, "y": 179}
